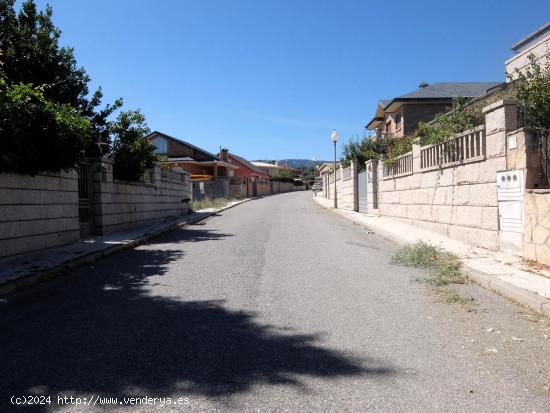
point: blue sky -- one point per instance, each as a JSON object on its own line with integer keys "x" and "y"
{"x": 271, "y": 79}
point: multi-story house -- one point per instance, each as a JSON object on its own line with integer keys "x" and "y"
{"x": 536, "y": 44}
{"x": 400, "y": 116}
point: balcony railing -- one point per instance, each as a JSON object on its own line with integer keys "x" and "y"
{"x": 403, "y": 166}
{"x": 466, "y": 147}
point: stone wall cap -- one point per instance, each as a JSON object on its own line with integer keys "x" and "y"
{"x": 499, "y": 104}
{"x": 523, "y": 129}
{"x": 538, "y": 191}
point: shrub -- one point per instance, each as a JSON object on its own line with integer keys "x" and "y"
{"x": 38, "y": 134}
{"x": 132, "y": 152}
{"x": 443, "y": 266}
{"x": 533, "y": 92}
{"x": 384, "y": 147}
{"x": 461, "y": 116}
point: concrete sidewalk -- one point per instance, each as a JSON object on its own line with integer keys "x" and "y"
{"x": 506, "y": 274}
{"x": 29, "y": 269}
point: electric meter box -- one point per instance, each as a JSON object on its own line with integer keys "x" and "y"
{"x": 510, "y": 200}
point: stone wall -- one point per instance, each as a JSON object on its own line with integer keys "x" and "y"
{"x": 523, "y": 153}
{"x": 457, "y": 199}
{"x": 37, "y": 212}
{"x": 536, "y": 235}
{"x": 346, "y": 187}
{"x": 460, "y": 201}
{"x": 120, "y": 205}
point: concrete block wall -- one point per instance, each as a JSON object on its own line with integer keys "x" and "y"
{"x": 37, "y": 212}
{"x": 120, "y": 205}
{"x": 278, "y": 187}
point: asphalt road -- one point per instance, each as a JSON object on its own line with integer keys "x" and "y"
{"x": 275, "y": 305}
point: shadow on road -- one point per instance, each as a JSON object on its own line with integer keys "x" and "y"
{"x": 101, "y": 332}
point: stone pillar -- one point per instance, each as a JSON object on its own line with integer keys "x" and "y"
{"x": 416, "y": 151}
{"x": 355, "y": 186}
{"x": 500, "y": 118}
{"x": 156, "y": 174}
{"x": 102, "y": 189}
{"x": 372, "y": 185}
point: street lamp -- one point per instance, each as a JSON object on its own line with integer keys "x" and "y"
{"x": 335, "y": 138}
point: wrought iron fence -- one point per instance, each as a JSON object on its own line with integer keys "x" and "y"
{"x": 210, "y": 189}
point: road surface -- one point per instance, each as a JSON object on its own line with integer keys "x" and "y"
{"x": 275, "y": 305}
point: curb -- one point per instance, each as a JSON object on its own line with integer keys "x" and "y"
{"x": 528, "y": 299}
{"x": 28, "y": 281}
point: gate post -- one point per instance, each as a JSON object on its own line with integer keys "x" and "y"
{"x": 372, "y": 184}
{"x": 355, "y": 186}
{"x": 102, "y": 188}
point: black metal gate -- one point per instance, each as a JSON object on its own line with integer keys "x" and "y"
{"x": 362, "y": 182}
{"x": 544, "y": 154}
{"x": 85, "y": 206}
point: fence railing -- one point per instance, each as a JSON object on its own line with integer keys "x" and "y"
{"x": 209, "y": 189}
{"x": 466, "y": 147}
{"x": 402, "y": 166}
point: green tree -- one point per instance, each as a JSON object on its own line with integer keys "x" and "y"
{"x": 32, "y": 54}
{"x": 384, "y": 147}
{"x": 533, "y": 92}
{"x": 45, "y": 77}
{"x": 37, "y": 134}
{"x": 132, "y": 152}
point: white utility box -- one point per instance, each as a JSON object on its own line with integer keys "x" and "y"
{"x": 510, "y": 200}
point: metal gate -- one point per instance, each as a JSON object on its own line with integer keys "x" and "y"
{"x": 85, "y": 211}
{"x": 362, "y": 191}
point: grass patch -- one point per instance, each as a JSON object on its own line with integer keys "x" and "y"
{"x": 446, "y": 295}
{"x": 443, "y": 266}
{"x": 452, "y": 297}
{"x": 210, "y": 203}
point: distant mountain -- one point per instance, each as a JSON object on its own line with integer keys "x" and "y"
{"x": 299, "y": 163}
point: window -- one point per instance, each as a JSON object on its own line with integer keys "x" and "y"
{"x": 161, "y": 145}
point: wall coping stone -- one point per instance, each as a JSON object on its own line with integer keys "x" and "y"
{"x": 498, "y": 104}
{"x": 522, "y": 129}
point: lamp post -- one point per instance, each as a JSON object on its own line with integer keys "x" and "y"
{"x": 334, "y": 136}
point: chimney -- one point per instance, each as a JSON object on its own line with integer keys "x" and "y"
{"x": 223, "y": 154}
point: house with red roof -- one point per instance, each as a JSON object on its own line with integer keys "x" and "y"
{"x": 252, "y": 180}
